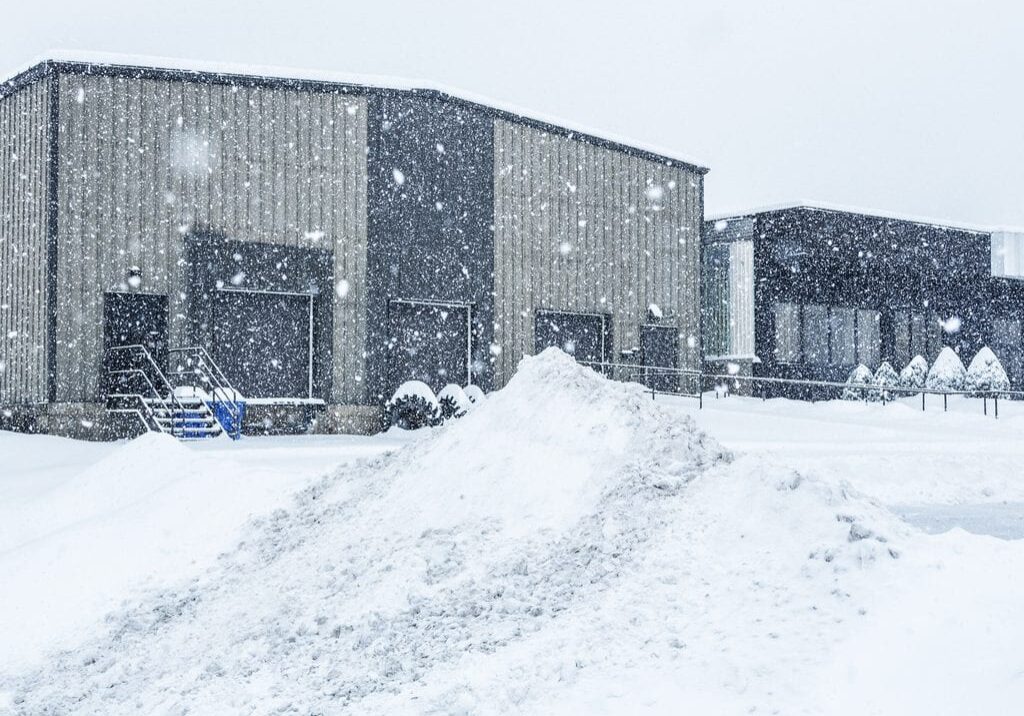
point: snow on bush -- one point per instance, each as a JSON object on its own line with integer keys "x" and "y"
{"x": 947, "y": 372}
{"x": 885, "y": 380}
{"x": 915, "y": 374}
{"x": 857, "y": 383}
{"x": 413, "y": 406}
{"x": 453, "y": 402}
{"x": 567, "y": 528}
{"x": 986, "y": 374}
{"x": 475, "y": 394}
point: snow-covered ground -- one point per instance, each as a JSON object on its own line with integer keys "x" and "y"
{"x": 569, "y": 547}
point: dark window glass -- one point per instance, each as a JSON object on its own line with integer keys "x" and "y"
{"x": 844, "y": 335}
{"x": 787, "y": 332}
{"x": 815, "y": 334}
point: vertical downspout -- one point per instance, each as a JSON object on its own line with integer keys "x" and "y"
{"x": 53, "y": 126}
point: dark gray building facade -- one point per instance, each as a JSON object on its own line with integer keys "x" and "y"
{"x": 809, "y": 292}
{"x": 323, "y": 241}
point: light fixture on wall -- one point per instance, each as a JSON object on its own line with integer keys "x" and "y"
{"x": 134, "y": 278}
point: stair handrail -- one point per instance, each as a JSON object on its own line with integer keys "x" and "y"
{"x": 163, "y": 402}
{"x": 138, "y": 348}
{"x": 221, "y": 385}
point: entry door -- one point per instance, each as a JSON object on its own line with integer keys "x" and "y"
{"x": 585, "y": 336}
{"x": 133, "y": 319}
{"x": 429, "y": 342}
{"x": 659, "y": 348}
{"x": 262, "y": 342}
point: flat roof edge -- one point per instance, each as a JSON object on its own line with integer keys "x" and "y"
{"x": 860, "y": 211}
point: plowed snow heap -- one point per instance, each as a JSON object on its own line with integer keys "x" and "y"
{"x": 479, "y": 549}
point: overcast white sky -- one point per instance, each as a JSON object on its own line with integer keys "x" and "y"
{"x": 912, "y": 107}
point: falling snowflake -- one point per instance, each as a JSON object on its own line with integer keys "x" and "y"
{"x": 951, "y": 324}
{"x": 655, "y": 192}
{"x": 342, "y": 288}
{"x": 238, "y": 278}
{"x": 398, "y": 176}
{"x": 565, "y": 248}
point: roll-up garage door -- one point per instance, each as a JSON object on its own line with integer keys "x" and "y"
{"x": 429, "y": 342}
{"x": 586, "y": 336}
{"x": 262, "y": 342}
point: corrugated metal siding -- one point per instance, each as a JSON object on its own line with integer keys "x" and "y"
{"x": 143, "y": 162}
{"x": 24, "y": 149}
{"x": 741, "y": 298}
{"x": 576, "y": 230}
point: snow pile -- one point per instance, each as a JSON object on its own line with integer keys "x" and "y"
{"x": 986, "y": 373}
{"x": 859, "y": 379}
{"x": 947, "y": 372}
{"x": 453, "y": 401}
{"x": 915, "y": 374}
{"x": 475, "y": 394}
{"x": 566, "y": 530}
{"x": 885, "y": 380}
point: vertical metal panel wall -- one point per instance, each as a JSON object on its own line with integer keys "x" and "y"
{"x": 145, "y": 162}
{"x": 583, "y": 228}
{"x": 23, "y": 244}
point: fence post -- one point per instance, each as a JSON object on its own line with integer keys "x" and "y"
{"x": 995, "y": 399}
{"x": 945, "y": 402}
{"x": 984, "y": 404}
{"x": 922, "y": 401}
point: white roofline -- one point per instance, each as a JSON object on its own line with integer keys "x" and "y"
{"x": 289, "y": 73}
{"x": 881, "y": 214}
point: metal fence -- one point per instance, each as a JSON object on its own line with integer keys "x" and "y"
{"x": 689, "y": 383}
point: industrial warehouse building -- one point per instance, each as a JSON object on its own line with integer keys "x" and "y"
{"x": 319, "y": 241}
{"x": 809, "y": 291}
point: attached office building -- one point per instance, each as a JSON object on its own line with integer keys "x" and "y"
{"x": 809, "y": 292}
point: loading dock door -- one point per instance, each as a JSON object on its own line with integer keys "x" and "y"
{"x": 262, "y": 341}
{"x": 659, "y": 348}
{"x": 134, "y": 319}
{"x": 429, "y": 342}
{"x": 585, "y": 336}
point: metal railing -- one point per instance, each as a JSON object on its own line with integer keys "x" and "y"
{"x": 690, "y": 383}
{"x": 153, "y": 396}
{"x": 197, "y": 363}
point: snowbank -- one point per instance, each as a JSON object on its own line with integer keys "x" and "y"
{"x": 947, "y": 372}
{"x": 986, "y": 373}
{"x": 567, "y": 531}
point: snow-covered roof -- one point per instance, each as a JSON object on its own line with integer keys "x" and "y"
{"x": 842, "y": 208}
{"x": 202, "y": 67}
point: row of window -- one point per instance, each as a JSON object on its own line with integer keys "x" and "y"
{"x": 826, "y": 335}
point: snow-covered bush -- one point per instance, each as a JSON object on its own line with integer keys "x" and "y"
{"x": 453, "y": 402}
{"x": 986, "y": 374}
{"x": 947, "y": 372}
{"x": 859, "y": 376}
{"x": 915, "y": 375}
{"x": 413, "y": 406}
{"x": 475, "y": 395}
{"x": 885, "y": 380}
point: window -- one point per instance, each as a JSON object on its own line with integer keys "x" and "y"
{"x": 1008, "y": 254}
{"x": 918, "y": 333}
{"x": 1007, "y": 345}
{"x": 869, "y": 341}
{"x": 815, "y": 334}
{"x": 844, "y": 336}
{"x": 787, "y": 332}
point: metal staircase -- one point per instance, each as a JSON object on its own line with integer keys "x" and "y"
{"x": 136, "y": 387}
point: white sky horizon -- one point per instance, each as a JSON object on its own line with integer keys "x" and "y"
{"x": 911, "y": 108}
